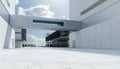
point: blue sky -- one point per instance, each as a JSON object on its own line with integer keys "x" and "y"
{"x": 58, "y": 9}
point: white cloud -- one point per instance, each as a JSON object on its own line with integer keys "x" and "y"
{"x": 17, "y": 2}
{"x": 38, "y": 11}
{"x": 21, "y": 11}
{"x": 31, "y": 39}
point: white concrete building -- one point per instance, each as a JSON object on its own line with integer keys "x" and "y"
{"x": 7, "y": 34}
{"x": 93, "y": 24}
{"x": 100, "y": 24}
{"x": 13, "y": 26}
{"x": 10, "y": 37}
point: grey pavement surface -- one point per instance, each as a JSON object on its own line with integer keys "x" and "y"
{"x": 59, "y": 58}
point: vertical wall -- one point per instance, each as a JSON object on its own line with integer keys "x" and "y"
{"x": 77, "y": 6}
{"x": 72, "y": 39}
{"x": 18, "y": 38}
{"x": 105, "y": 35}
{"x": 100, "y": 27}
{"x": 9, "y": 6}
{"x": 7, "y": 34}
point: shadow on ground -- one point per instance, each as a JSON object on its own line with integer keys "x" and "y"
{"x": 114, "y": 52}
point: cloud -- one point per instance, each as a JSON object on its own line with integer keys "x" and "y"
{"x": 31, "y": 39}
{"x": 38, "y": 11}
{"x": 17, "y": 2}
{"x": 21, "y": 11}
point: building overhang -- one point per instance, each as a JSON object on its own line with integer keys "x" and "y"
{"x": 27, "y": 22}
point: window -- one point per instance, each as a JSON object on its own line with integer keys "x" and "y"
{"x": 99, "y": 2}
{"x": 49, "y": 23}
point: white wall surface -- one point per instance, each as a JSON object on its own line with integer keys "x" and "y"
{"x": 101, "y": 16}
{"x": 105, "y": 35}
{"x": 100, "y": 27}
{"x": 12, "y": 39}
{"x": 74, "y": 9}
{"x": 18, "y": 37}
{"x": 77, "y": 6}
{"x": 106, "y": 6}
{"x": 18, "y": 44}
{"x": 72, "y": 37}
{"x": 11, "y": 8}
{"x": 7, "y": 35}
{"x": 27, "y": 23}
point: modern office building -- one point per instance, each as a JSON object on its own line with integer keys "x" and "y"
{"x": 100, "y": 24}
{"x": 58, "y": 39}
{"x": 13, "y": 27}
{"x": 7, "y": 34}
{"x": 93, "y": 24}
{"x": 20, "y": 37}
{"x": 10, "y": 37}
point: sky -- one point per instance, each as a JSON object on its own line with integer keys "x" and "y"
{"x": 57, "y": 9}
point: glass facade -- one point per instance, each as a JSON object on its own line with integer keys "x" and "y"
{"x": 49, "y": 23}
{"x": 23, "y": 35}
{"x": 58, "y": 39}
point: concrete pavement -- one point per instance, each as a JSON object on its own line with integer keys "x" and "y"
{"x": 59, "y": 58}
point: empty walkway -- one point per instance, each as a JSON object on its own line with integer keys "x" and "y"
{"x": 59, "y": 58}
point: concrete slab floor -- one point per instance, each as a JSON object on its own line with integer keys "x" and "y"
{"x": 59, "y": 58}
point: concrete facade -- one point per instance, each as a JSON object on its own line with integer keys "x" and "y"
{"x": 99, "y": 26}
{"x": 12, "y": 25}
{"x": 18, "y": 38}
{"x": 7, "y": 34}
{"x": 27, "y": 23}
{"x": 93, "y": 24}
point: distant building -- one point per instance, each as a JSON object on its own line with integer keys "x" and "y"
{"x": 20, "y": 35}
{"x": 58, "y": 39}
{"x": 29, "y": 45}
{"x": 13, "y": 27}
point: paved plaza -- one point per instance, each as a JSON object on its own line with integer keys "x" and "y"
{"x": 59, "y": 58}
